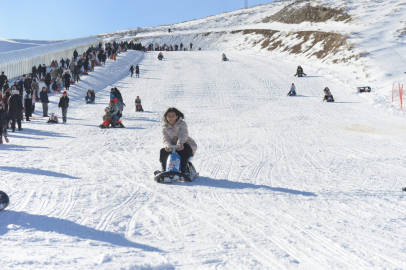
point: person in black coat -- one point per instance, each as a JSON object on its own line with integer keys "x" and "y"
{"x": 132, "y": 70}
{"x": 15, "y": 110}
{"x": 3, "y": 79}
{"x": 44, "y": 100}
{"x": 48, "y": 81}
{"x": 39, "y": 72}
{"x": 66, "y": 77}
{"x": 6, "y": 86}
{"x": 137, "y": 71}
{"x": 28, "y": 105}
{"x": 75, "y": 54}
{"x": 86, "y": 65}
{"x": 27, "y": 84}
{"x": 64, "y": 104}
{"x": 44, "y": 70}
{"x": 34, "y": 70}
{"x": 3, "y": 123}
{"x": 76, "y": 74}
{"x": 62, "y": 62}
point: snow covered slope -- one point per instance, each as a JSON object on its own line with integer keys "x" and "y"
{"x": 359, "y": 42}
{"x": 286, "y": 182}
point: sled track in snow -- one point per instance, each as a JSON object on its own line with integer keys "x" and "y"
{"x": 286, "y": 182}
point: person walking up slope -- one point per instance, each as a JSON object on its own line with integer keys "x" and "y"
{"x": 64, "y": 104}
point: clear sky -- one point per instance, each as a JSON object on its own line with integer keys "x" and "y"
{"x": 63, "y": 19}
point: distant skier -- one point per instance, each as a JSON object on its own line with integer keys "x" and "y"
{"x": 160, "y": 56}
{"x": 132, "y": 70}
{"x": 292, "y": 91}
{"x": 224, "y": 57}
{"x": 299, "y": 72}
{"x": 191, "y": 46}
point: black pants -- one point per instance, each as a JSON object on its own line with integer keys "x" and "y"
{"x": 137, "y": 74}
{"x": 185, "y": 154}
{"x": 132, "y": 73}
{"x": 13, "y": 124}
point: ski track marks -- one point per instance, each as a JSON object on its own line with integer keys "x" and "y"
{"x": 286, "y": 182}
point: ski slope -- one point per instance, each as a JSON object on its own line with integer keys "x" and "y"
{"x": 286, "y": 182}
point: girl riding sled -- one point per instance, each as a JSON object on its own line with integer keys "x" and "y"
{"x": 175, "y": 132}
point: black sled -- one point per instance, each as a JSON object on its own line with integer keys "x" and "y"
{"x": 4, "y": 200}
{"x": 138, "y": 108}
{"x": 328, "y": 98}
{"x": 172, "y": 173}
{"x": 292, "y": 93}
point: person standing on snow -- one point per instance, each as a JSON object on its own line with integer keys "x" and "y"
{"x": 3, "y": 124}
{"x": 137, "y": 71}
{"x": 15, "y": 110}
{"x": 132, "y": 70}
{"x": 75, "y": 55}
{"x": 43, "y": 96}
{"x": 66, "y": 78}
{"x": 64, "y": 105}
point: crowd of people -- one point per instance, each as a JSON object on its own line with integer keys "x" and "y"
{"x": 165, "y": 47}
{"x": 21, "y": 97}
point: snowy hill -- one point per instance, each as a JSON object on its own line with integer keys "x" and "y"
{"x": 285, "y": 182}
{"x": 358, "y": 43}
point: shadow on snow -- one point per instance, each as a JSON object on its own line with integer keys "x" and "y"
{"x": 223, "y": 183}
{"x": 66, "y": 227}
{"x": 37, "y": 172}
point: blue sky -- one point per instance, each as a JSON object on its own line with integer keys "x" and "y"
{"x": 51, "y": 20}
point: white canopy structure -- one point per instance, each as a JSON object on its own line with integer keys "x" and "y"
{"x": 17, "y": 63}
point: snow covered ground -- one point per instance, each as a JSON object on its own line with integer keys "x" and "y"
{"x": 286, "y": 182}
{"x": 373, "y": 54}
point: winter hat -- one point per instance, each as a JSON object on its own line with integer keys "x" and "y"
{"x": 293, "y": 84}
{"x": 64, "y": 92}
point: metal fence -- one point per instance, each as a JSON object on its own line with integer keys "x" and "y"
{"x": 17, "y": 63}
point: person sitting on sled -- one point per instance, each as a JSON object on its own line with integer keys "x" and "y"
{"x": 224, "y": 57}
{"x": 138, "y": 106}
{"x": 90, "y": 96}
{"x": 327, "y": 95}
{"x": 175, "y": 132}
{"x": 299, "y": 71}
{"x": 110, "y": 116}
{"x": 292, "y": 91}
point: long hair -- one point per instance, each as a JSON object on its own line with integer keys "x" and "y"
{"x": 176, "y": 111}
